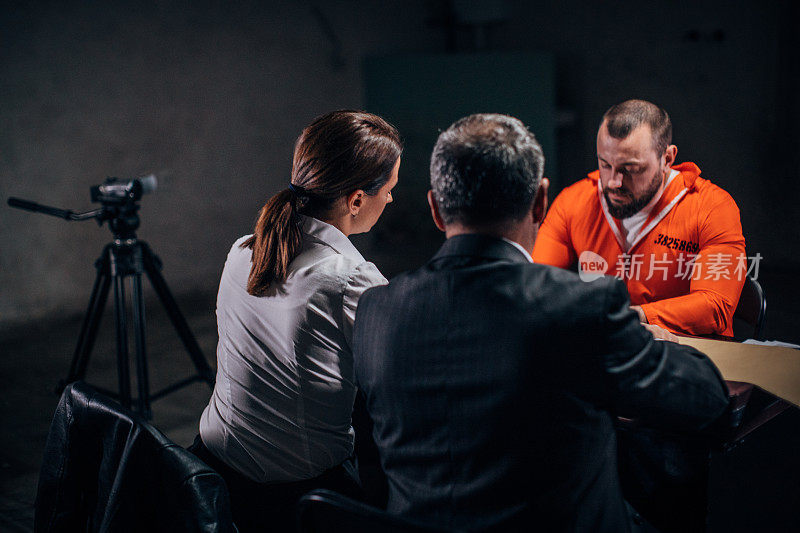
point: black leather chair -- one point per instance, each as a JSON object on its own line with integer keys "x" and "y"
{"x": 106, "y": 469}
{"x": 325, "y": 511}
{"x": 751, "y": 311}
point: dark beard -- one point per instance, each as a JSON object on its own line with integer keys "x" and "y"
{"x": 624, "y": 211}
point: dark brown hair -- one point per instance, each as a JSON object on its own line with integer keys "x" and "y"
{"x": 337, "y": 154}
{"x": 623, "y": 118}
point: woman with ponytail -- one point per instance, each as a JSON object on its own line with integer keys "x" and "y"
{"x": 278, "y": 423}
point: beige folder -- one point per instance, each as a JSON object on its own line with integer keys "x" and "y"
{"x": 773, "y": 368}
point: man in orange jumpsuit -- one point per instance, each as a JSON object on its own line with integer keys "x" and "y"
{"x": 673, "y": 237}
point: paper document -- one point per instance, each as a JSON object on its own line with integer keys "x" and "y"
{"x": 776, "y": 369}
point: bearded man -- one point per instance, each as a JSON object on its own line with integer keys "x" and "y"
{"x": 673, "y": 237}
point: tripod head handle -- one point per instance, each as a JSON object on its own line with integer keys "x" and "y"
{"x": 27, "y": 205}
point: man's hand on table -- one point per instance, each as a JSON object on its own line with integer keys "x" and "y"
{"x": 660, "y": 333}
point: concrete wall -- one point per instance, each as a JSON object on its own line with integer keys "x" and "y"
{"x": 210, "y": 97}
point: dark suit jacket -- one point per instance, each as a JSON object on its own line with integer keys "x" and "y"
{"x": 493, "y": 384}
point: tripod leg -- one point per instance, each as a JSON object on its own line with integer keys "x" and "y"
{"x": 122, "y": 342}
{"x": 176, "y": 316}
{"x": 91, "y": 321}
{"x": 139, "y": 341}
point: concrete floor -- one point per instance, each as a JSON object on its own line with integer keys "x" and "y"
{"x": 34, "y": 358}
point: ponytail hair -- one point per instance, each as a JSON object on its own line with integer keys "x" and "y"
{"x": 275, "y": 242}
{"x": 337, "y": 154}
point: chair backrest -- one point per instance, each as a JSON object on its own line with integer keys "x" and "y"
{"x": 752, "y": 309}
{"x": 106, "y": 469}
{"x": 325, "y": 511}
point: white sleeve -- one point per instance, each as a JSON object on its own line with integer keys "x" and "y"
{"x": 363, "y": 277}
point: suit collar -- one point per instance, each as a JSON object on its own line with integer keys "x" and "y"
{"x": 475, "y": 245}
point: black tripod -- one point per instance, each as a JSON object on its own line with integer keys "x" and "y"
{"x": 119, "y": 260}
{"x": 126, "y": 257}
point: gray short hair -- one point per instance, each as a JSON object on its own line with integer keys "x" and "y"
{"x": 486, "y": 168}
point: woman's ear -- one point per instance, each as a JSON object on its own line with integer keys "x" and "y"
{"x": 354, "y": 202}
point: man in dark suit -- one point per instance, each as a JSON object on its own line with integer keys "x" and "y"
{"x": 493, "y": 383}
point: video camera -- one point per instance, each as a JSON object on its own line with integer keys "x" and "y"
{"x": 119, "y": 205}
{"x": 114, "y": 191}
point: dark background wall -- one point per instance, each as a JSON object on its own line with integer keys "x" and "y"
{"x": 211, "y": 95}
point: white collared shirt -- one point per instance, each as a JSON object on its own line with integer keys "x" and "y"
{"x": 632, "y": 226}
{"x": 284, "y": 394}
{"x": 519, "y": 247}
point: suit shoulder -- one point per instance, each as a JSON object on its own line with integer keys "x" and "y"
{"x": 393, "y": 288}
{"x": 567, "y": 285}
{"x": 373, "y": 292}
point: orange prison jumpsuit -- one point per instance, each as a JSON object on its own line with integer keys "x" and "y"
{"x": 686, "y": 270}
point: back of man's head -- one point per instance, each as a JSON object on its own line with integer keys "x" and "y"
{"x": 485, "y": 169}
{"x": 621, "y": 119}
